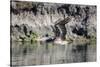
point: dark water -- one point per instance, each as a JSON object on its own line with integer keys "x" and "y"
{"x": 40, "y": 53}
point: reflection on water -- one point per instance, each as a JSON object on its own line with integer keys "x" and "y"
{"x": 39, "y": 53}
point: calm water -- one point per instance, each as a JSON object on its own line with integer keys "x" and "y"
{"x": 40, "y": 53}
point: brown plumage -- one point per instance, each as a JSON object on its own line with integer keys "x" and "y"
{"x": 61, "y": 22}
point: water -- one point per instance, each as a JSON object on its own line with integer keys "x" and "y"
{"x": 40, "y": 53}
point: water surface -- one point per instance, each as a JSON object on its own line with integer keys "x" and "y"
{"x": 40, "y": 53}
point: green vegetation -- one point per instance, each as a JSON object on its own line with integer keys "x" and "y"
{"x": 34, "y": 35}
{"x": 31, "y": 37}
